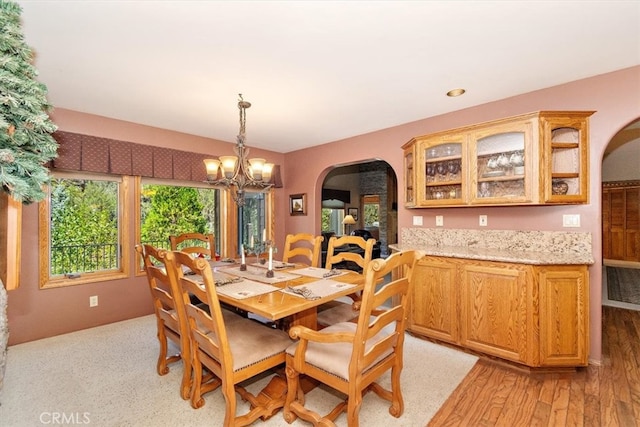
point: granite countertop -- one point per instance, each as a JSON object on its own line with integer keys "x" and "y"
{"x": 524, "y": 247}
{"x": 489, "y": 254}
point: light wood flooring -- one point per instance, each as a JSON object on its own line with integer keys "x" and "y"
{"x": 606, "y": 395}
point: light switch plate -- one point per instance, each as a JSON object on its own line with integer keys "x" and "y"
{"x": 571, "y": 220}
{"x": 417, "y": 220}
{"x": 439, "y": 221}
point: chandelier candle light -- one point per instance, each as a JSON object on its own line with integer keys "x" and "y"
{"x": 237, "y": 171}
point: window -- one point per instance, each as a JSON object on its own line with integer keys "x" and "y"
{"x": 81, "y": 227}
{"x": 332, "y": 220}
{"x": 371, "y": 205}
{"x": 252, "y": 221}
{"x": 169, "y": 208}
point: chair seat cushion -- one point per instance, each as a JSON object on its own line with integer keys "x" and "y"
{"x": 336, "y": 357}
{"x": 336, "y": 312}
{"x": 251, "y": 342}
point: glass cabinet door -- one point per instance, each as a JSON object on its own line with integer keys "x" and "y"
{"x": 409, "y": 174}
{"x": 501, "y": 167}
{"x": 445, "y": 169}
{"x": 566, "y": 158}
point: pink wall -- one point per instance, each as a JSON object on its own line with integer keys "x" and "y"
{"x": 615, "y": 97}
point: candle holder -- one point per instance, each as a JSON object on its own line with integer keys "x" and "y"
{"x": 260, "y": 248}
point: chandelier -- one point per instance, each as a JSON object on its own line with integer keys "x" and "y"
{"x": 237, "y": 172}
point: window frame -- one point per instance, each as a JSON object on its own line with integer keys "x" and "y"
{"x": 140, "y": 181}
{"x": 47, "y": 281}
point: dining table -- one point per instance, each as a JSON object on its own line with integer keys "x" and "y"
{"x": 294, "y": 292}
{"x": 289, "y": 295}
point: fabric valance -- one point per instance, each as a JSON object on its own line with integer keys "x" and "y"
{"x": 79, "y": 152}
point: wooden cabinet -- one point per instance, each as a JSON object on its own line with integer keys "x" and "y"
{"x": 530, "y": 314}
{"x": 433, "y": 303}
{"x": 621, "y": 221}
{"x": 536, "y": 158}
{"x": 496, "y": 310}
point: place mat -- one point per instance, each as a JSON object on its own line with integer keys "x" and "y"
{"x": 245, "y": 288}
{"x": 277, "y": 265}
{"x": 259, "y": 274}
{"x": 318, "y": 289}
{"x": 319, "y": 273}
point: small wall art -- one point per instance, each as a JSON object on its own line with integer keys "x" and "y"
{"x": 298, "y": 204}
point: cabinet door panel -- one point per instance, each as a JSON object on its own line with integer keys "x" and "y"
{"x": 433, "y": 303}
{"x": 617, "y": 220}
{"x": 606, "y": 224}
{"x": 564, "y": 316}
{"x": 495, "y": 311}
{"x": 632, "y": 225}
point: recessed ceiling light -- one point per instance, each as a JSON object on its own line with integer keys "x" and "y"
{"x": 455, "y": 92}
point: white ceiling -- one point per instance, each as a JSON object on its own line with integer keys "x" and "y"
{"x": 315, "y": 71}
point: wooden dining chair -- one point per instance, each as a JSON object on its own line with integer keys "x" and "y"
{"x": 231, "y": 348}
{"x": 350, "y": 357}
{"x": 198, "y": 244}
{"x": 170, "y": 317}
{"x": 341, "y": 250}
{"x": 304, "y": 245}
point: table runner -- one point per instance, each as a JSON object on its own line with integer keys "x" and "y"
{"x": 259, "y": 274}
{"x": 277, "y": 265}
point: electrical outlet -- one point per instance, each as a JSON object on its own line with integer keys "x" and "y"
{"x": 93, "y": 301}
{"x": 482, "y": 221}
{"x": 417, "y": 220}
{"x": 439, "y": 221}
{"x": 571, "y": 220}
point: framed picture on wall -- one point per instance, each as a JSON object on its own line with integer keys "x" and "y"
{"x": 353, "y": 212}
{"x": 298, "y": 204}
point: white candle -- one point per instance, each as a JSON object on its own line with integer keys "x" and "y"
{"x": 264, "y": 234}
{"x": 251, "y": 242}
{"x": 242, "y": 253}
{"x": 270, "y": 258}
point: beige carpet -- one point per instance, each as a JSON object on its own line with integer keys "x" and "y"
{"x": 106, "y": 376}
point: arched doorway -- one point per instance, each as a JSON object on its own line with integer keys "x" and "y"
{"x": 621, "y": 219}
{"x": 368, "y": 191}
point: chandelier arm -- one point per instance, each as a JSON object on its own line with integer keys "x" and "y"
{"x": 242, "y": 176}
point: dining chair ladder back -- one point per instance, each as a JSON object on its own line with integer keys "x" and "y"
{"x": 351, "y": 357}
{"x": 304, "y": 245}
{"x": 170, "y": 317}
{"x": 231, "y": 348}
{"x": 353, "y": 250}
{"x": 195, "y": 244}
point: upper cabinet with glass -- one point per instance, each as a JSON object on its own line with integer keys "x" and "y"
{"x": 537, "y": 158}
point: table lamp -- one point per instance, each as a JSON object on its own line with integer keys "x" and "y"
{"x": 349, "y": 221}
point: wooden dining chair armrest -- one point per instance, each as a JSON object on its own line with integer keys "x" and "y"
{"x": 304, "y": 333}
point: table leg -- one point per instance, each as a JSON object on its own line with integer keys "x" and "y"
{"x": 308, "y": 318}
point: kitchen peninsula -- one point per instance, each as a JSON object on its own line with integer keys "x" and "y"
{"x": 520, "y": 296}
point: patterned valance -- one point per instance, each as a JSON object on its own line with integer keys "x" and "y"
{"x": 88, "y": 153}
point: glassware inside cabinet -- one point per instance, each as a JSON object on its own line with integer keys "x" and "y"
{"x": 443, "y": 170}
{"x": 501, "y": 165}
